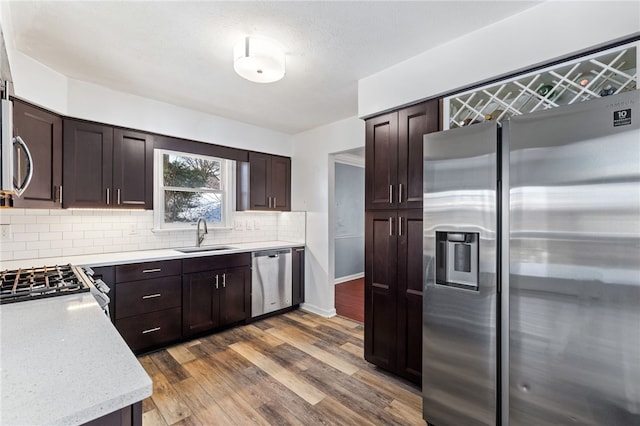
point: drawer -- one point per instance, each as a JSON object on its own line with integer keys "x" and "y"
{"x": 146, "y": 270}
{"x": 210, "y": 263}
{"x": 142, "y": 297}
{"x": 152, "y": 329}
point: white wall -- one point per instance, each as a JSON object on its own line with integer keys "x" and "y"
{"x": 551, "y": 30}
{"x": 38, "y": 84}
{"x": 312, "y": 165}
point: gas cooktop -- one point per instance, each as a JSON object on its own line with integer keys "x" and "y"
{"x": 36, "y": 283}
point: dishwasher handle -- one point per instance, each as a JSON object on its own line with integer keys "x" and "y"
{"x": 271, "y": 253}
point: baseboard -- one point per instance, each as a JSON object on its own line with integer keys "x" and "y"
{"x": 327, "y": 313}
{"x": 348, "y": 278}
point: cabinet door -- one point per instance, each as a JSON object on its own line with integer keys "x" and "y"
{"x": 380, "y": 289}
{"x": 381, "y": 158}
{"x": 200, "y": 302}
{"x": 259, "y": 181}
{"x": 280, "y": 183}
{"x": 42, "y": 132}
{"x": 88, "y": 161}
{"x": 235, "y": 299}
{"x": 410, "y": 294}
{"x": 297, "y": 277}
{"x": 132, "y": 169}
{"x": 413, "y": 123}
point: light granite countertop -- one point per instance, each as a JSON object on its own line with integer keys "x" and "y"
{"x": 124, "y": 257}
{"x": 62, "y": 362}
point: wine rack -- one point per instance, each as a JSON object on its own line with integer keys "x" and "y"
{"x": 600, "y": 74}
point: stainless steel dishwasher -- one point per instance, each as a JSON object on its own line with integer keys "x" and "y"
{"x": 270, "y": 281}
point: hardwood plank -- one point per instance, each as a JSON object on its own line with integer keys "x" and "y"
{"x": 349, "y": 299}
{"x": 181, "y": 354}
{"x": 277, "y": 371}
{"x": 148, "y": 365}
{"x": 353, "y": 349}
{"x": 411, "y": 399}
{"x": 302, "y": 342}
{"x": 201, "y": 403}
{"x": 170, "y": 405}
{"x": 340, "y": 414}
{"x": 405, "y": 413}
{"x": 303, "y": 389}
{"x": 153, "y": 418}
{"x": 169, "y": 367}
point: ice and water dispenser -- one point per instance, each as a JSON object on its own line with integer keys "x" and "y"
{"x": 457, "y": 259}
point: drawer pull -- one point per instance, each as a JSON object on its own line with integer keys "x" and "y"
{"x": 151, "y": 330}
{"x": 148, "y": 271}
{"x": 299, "y": 249}
{"x": 151, "y": 296}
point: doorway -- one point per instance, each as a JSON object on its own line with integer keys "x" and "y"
{"x": 348, "y": 233}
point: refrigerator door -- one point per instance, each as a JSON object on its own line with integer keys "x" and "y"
{"x": 574, "y": 264}
{"x": 460, "y": 300}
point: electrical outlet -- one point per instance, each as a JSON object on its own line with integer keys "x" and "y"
{"x": 256, "y": 225}
{"x": 5, "y": 233}
{"x": 132, "y": 229}
{"x": 249, "y": 225}
{"x": 239, "y": 225}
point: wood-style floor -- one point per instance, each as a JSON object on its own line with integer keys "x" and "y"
{"x": 292, "y": 369}
{"x": 349, "y": 299}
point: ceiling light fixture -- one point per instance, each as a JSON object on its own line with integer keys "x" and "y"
{"x": 259, "y": 60}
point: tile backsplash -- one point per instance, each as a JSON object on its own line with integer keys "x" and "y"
{"x": 36, "y": 233}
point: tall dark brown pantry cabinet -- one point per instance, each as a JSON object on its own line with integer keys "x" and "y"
{"x": 393, "y": 238}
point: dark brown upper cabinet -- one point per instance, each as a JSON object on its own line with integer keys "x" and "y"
{"x": 106, "y": 167}
{"x": 394, "y": 156}
{"x": 264, "y": 183}
{"x": 42, "y": 132}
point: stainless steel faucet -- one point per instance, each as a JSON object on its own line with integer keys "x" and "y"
{"x": 199, "y": 236}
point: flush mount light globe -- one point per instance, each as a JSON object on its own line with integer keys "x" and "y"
{"x": 259, "y": 60}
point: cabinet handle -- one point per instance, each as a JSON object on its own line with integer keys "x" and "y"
{"x": 391, "y": 227}
{"x": 390, "y": 194}
{"x": 299, "y": 249}
{"x": 275, "y": 202}
{"x": 108, "y": 196}
{"x": 149, "y": 271}
{"x": 60, "y": 193}
{"x": 400, "y": 226}
{"x": 118, "y": 195}
{"x": 224, "y": 280}
{"x": 400, "y": 193}
{"x": 216, "y": 282}
{"x": 151, "y": 296}
{"x": 151, "y": 330}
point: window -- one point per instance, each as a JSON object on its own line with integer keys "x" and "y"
{"x": 191, "y": 186}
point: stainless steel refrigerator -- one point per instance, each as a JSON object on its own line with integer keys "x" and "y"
{"x": 532, "y": 269}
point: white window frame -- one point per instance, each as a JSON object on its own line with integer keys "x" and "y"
{"x": 227, "y": 177}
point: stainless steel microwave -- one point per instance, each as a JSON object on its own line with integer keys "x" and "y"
{"x": 16, "y": 161}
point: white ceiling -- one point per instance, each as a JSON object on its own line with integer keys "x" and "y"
{"x": 181, "y": 52}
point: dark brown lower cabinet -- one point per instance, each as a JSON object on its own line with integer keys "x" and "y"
{"x": 131, "y": 415}
{"x": 297, "y": 276}
{"x": 393, "y": 291}
{"x": 212, "y": 299}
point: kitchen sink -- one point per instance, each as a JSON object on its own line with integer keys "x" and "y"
{"x": 205, "y": 248}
